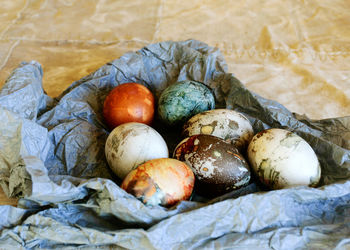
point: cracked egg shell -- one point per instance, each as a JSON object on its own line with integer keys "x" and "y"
{"x": 131, "y": 144}
{"x": 218, "y": 166}
{"x": 282, "y": 159}
{"x": 227, "y": 124}
{"x": 160, "y": 182}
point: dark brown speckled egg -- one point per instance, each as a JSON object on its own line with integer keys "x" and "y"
{"x": 218, "y": 166}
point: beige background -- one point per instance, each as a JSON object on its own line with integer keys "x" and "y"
{"x": 295, "y": 52}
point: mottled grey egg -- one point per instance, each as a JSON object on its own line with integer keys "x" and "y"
{"x": 283, "y": 159}
{"x": 227, "y": 124}
{"x": 132, "y": 144}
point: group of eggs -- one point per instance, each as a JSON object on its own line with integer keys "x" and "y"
{"x": 211, "y": 157}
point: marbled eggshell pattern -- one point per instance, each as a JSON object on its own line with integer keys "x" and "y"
{"x": 160, "y": 182}
{"x": 131, "y": 144}
{"x": 227, "y": 124}
{"x": 217, "y": 165}
{"x": 283, "y": 159}
{"x": 128, "y": 102}
{"x": 181, "y": 100}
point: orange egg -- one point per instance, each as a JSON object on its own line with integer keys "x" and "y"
{"x": 128, "y": 102}
{"x": 162, "y": 181}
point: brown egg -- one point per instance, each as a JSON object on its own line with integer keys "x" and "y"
{"x": 128, "y": 102}
{"x": 162, "y": 181}
{"x": 218, "y": 166}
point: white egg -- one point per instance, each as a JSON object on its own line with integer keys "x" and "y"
{"x": 132, "y": 144}
{"x": 283, "y": 159}
{"x": 226, "y": 124}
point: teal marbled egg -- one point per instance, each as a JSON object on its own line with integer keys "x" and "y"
{"x": 182, "y": 100}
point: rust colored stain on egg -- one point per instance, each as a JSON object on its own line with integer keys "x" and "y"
{"x": 189, "y": 146}
{"x": 161, "y": 181}
{"x": 129, "y": 102}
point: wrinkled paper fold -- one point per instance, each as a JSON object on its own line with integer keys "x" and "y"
{"x": 52, "y": 154}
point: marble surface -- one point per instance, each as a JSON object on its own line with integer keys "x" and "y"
{"x": 296, "y": 52}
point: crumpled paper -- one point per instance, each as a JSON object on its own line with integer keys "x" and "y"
{"x": 52, "y": 154}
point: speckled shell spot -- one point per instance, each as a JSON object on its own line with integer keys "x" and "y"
{"x": 217, "y": 165}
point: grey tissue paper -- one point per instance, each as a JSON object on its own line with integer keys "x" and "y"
{"x": 52, "y": 155}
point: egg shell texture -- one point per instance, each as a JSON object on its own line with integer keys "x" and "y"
{"x": 129, "y": 102}
{"x": 227, "y": 124}
{"x": 160, "y": 182}
{"x": 181, "y": 100}
{"x": 217, "y": 165}
{"x": 283, "y": 159}
{"x": 131, "y": 144}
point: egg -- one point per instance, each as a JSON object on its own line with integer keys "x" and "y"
{"x": 181, "y": 100}
{"x": 282, "y": 159}
{"x": 131, "y": 144}
{"x": 227, "y": 124}
{"x": 160, "y": 182}
{"x": 129, "y": 102}
{"x": 218, "y": 166}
